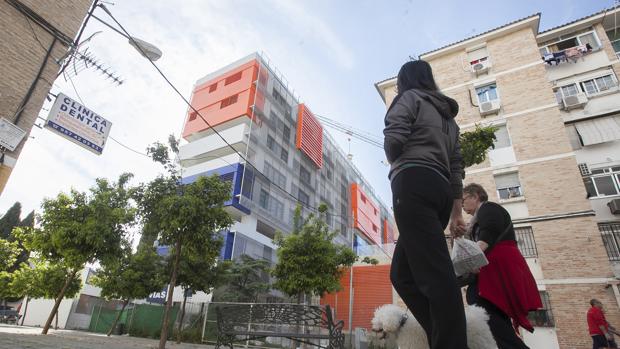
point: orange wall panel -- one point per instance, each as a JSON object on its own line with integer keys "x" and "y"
{"x": 388, "y": 232}
{"x": 372, "y": 288}
{"x": 366, "y": 214}
{"x": 207, "y": 100}
{"x": 309, "y": 135}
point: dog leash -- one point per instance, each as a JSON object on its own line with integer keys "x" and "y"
{"x": 403, "y": 319}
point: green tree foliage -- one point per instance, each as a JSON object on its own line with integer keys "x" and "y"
{"x": 199, "y": 270}
{"x": 79, "y": 228}
{"x": 245, "y": 280}
{"x": 309, "y": 262}
{"x": 42, "y": 279}
{"x": 9, "y": 251}
{"x": 180, "y": 214}
{"x": 9, "y": 221}
{"x": 131, "y": 276}
{"x": 476, "y": 143}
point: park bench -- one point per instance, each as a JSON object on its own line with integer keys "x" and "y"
{"x": 9, "y": 316}
{"x": 303, "y": 323}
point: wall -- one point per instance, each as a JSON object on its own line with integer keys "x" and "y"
{"x": 21, "y": 60}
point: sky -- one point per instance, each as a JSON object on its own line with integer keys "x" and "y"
{"x": 331, "y": 52}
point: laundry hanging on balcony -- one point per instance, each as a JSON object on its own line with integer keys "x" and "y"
{"x": 569, "y": 54}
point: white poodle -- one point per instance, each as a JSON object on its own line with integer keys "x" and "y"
{"x": 392, "y": 319}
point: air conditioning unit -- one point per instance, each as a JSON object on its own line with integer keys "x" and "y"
{"x": 480, "y": 66}
{"x": 490, "y": 107}
{"x": 614, "y": 206}
{"x": 575, "y": 101}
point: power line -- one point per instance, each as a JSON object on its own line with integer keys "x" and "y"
{"x": 175, "y": 89}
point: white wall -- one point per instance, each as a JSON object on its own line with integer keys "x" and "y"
{"x": 542, "y": 338}
{"x": 39, "y": 310}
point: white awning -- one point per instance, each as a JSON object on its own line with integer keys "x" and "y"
{"x": 599, "y": 130}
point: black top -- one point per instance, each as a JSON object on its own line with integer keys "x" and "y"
{"x": 492, "y": 220}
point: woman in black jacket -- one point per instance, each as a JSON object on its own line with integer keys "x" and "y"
{"x": 422, "y": 145}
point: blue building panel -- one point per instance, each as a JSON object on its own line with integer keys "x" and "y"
{"x": 230, "y": 173}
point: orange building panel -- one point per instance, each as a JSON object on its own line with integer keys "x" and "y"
{"x": 371, "y": 287}
{"x": 223, "y": 98}
{"x": 309, "y": 135}
{"x": 389, "y": 235}
{"x": 366, "y": 214}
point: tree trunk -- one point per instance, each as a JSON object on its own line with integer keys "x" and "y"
{"x": 118, "y": 316}
{"x": 182, "y": 316}
{"x": 61, "y": 295}
{"x": 300, "y": 299}
{"x": 25, "y": 310}
{"x": 173, "y": 279}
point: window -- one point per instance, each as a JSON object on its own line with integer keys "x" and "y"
{"x": 502, "y": 138}
{"x": 610, "y": 232}
{"x": 508, "y": 186}
{"x": 363, "y": 198}
{"x": 263, "y": 200}
{"x": 271, "y": 143}
{"x": 213, "y": 87}
{"x": 228, "y": 101}
{"x": 525, "y": 242}
{"x": 570, "y": 90}
{"x": 478, "y": 55}
{"x": 304, "y": 175}
{"x": 487, "y": 93}
{"x": 284, "y": 155}
{"x": 275, "y": 176}
{"x": 235, "y": 77}
{"x": 603, "y": 182}
{"x": 303, "y": 197}
{"x": 588, "y": 38}
{"x": 598, "y": 85}
{"x": 286, "y": 134}
{"x": 277, "y": 209}
{"x": 542, "y": 317}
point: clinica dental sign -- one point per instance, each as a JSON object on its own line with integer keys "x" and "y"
{"x": 78, "y": 124}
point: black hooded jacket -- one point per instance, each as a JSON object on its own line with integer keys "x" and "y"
{"x": 420, "y": 130}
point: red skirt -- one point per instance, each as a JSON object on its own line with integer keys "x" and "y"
{"x": 508, "y": 283}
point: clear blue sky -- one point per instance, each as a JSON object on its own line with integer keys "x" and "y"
{"x": 331, "y": 52}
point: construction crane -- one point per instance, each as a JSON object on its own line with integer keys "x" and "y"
{"x": 348, "y": 130}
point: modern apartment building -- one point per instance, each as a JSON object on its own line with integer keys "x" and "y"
{"x": 276, "y": 155}
{"x": 34, "y": 34}
{"x": 554, "y": 97}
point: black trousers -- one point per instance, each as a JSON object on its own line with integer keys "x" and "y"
{"x": 499, "y": 323}
{"x": 599, "y": 341}
{"x": 422, "y": 271}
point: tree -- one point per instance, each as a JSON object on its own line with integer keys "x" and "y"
{"x": 132, "y": 276}
{"x": 199, "y": 270}
{"x": 476, "y": 143}
{"x": 10, "y": 220}
{"x": 181, "y": 214}
{"x": 9, "y": 251}
{"x": 43, "y": 280}
{"x": 309, "y": 262}
{"x": 79, "y": 228}
{"x": 245, "y": 281}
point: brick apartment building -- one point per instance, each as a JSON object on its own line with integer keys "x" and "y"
{"x": 34, "y": 35}
{"x": 555, "y": 99}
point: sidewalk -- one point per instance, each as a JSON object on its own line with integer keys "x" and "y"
{"x": 24, "y": 337}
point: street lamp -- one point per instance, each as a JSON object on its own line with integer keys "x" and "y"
{"x": 146, "y": 49}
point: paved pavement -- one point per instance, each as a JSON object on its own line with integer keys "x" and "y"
{"x": 24, "y": 337}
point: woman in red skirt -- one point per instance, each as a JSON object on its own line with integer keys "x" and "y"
{"x": 505, "y": 287}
